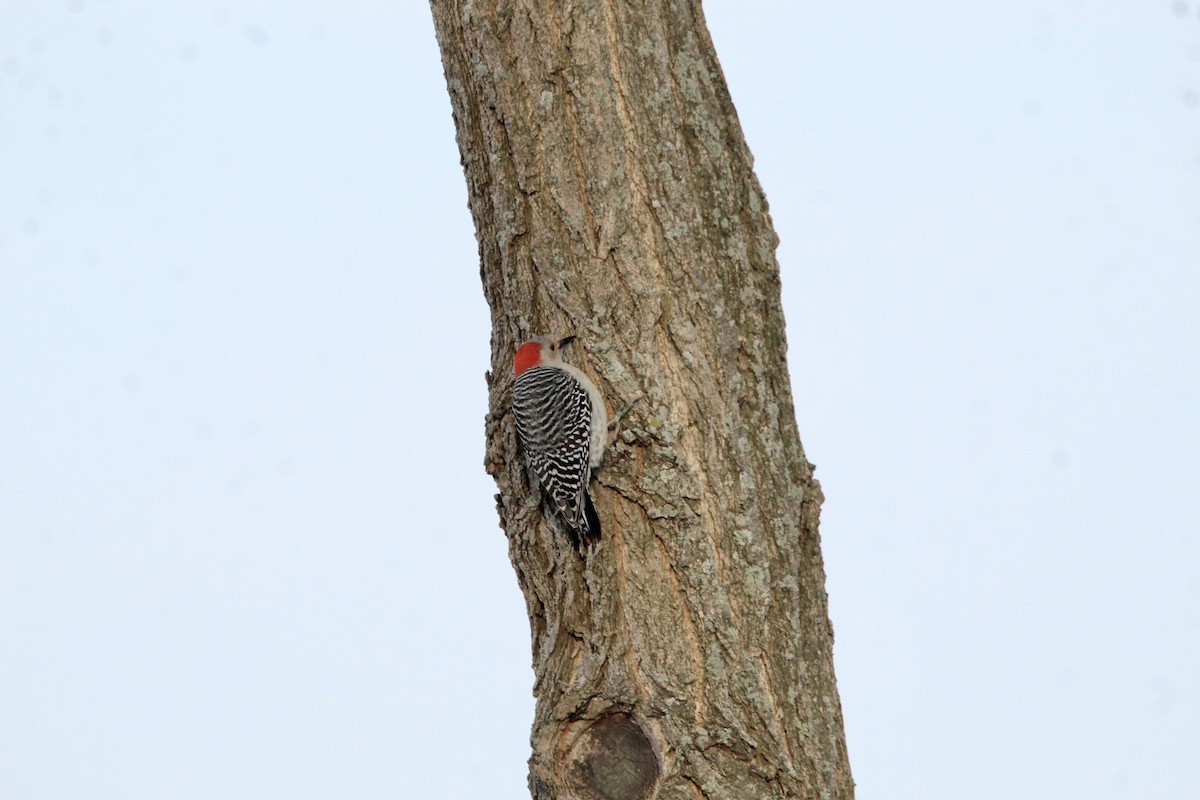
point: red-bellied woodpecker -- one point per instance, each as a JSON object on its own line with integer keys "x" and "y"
{"x": 562, "y": 426}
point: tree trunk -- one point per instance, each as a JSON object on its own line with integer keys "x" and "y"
{"x": 690, "y": 655}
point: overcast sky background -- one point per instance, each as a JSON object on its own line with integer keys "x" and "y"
{"x": 247, "y": 546}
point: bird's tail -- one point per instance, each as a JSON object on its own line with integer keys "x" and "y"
{"x": 588, "y": 534}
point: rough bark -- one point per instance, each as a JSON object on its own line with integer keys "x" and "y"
{"x": 690, "y": 656}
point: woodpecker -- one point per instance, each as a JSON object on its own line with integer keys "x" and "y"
{"x": 562, "y": 426}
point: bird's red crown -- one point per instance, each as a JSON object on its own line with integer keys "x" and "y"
{"x": 528, "y": 355}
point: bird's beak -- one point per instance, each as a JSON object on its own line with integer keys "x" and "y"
{"x": 565, "y": 341}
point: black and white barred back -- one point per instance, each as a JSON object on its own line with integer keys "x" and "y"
{"x": 554, "y": 416}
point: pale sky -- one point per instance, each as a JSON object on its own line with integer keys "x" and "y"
{"x": 247, "y": 546}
